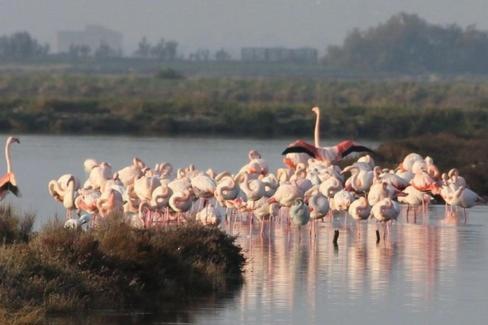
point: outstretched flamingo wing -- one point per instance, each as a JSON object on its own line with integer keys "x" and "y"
{"x": 356, "y": 148}
{"x": 301, "y": 146}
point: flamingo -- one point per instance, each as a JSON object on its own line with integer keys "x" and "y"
{"x": 114, "y": 183}
{"x": 319, "y": 205}
{"x": 76, "y": 223}
{"x": 414, "y": 198}
{"x": 164, "y": 170}
{"x": 408, "y": 161}
{"x": 284, "y": 174}
{"x": 330, "y": 187}
{"x": 144, "y": 187}
{"x": 257, "y": 165}
{"x": 87, "y": 201}
{"x": 8, "y": 182}
{"x": 181, "y": 202}
{"x": 266, "y": 211}
{"x": 366, "y": 160}
{"x": 129, "y": 174}
{"x": 203, "y": 186}
{"x": 359, "y": 210}
{"x": 99, "y": 174}
{"x": 384, "y": 212}
{"x": 361, "y": 179}
{"x": 209, "y": 215}
{"x": 253, "y": 189}
{"x": 342, "y": 200}
{"x": 110, "y": 203}
{"x": 286, "y": 194}
{"x": 455, "y": 179}
{"x": 299, "y": 213}
{"x": 378, "y": 192}
{"x": 432, "y": 169}
{"x": 465, "y": 198}
{"x": 63, "y": 190}
{"x": 227, "y": 189}
{"x": 270, "y": 183}
{"x": 89, "y": 164}
{"x": 422, "y": 180}
{"x": 160, "y": 197}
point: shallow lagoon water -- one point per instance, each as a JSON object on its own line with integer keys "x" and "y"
{"x": 433, "y": 271}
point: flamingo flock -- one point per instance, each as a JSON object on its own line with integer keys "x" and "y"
{"x": 310, "y": 187}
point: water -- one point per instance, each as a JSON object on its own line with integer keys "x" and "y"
{"x": 433, "y": 271}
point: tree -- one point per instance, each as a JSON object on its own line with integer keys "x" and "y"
{"x": 222, "y": 55}
{"x": 21, "y": 45}
{"x": 105, "y": 51}
{"x": 200, "y": 55}
{"x": 85, "y": 51}
{"x": 171, "y": 50}
{"x": 144, "y": 48}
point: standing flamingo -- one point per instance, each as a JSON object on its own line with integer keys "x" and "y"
{"x": 7, "y": 181}
{"x": 359, "y": 210}
{"x": 384, "y": 212}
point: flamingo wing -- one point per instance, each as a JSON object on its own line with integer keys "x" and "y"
{"x": 301, "y": 146}
{"x": 8, "y": 183}
{"x": 356, "y": 148}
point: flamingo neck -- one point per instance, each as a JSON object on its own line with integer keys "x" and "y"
{"x": 317, "y": 130}
{"x": 8, "y": 158}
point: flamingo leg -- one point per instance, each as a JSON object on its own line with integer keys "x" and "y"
{"x": 250, "y": 225}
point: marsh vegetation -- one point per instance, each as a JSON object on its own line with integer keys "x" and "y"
{"x": 149, "y": 105}
{"x": 113, "y": 266}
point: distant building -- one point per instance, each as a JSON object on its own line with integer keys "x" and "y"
{"x": 279, "y": 54}
{"x": 93, "y": 36}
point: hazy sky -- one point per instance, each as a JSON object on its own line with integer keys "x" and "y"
{"x": 228, "y": 23}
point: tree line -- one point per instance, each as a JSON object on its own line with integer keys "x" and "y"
{"x": 406, "y": 43}
{"x": 22, "y": 46}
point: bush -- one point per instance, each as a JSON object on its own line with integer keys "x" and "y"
{"x": 116, "y": 266}
{"x": 168, "y": 73}
{"x": 15, "y": 228}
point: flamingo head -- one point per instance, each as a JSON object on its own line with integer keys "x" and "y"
{"x": 254, "y": 154}
{"x": 12, "y": 140}
{"x": 316, "y": 110}
{"x": 70, "y": 179}
{"x": 453, "y": 172}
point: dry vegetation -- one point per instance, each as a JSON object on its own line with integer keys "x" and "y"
{"x": 114, "y": 266}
